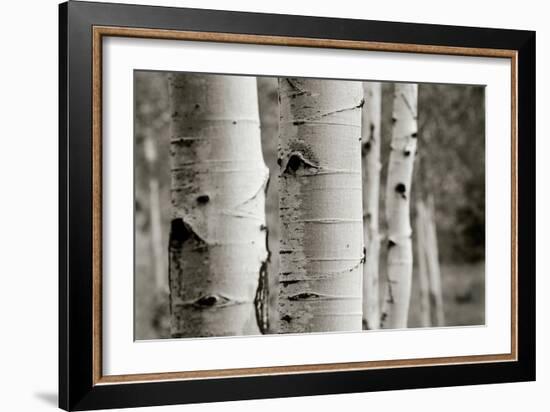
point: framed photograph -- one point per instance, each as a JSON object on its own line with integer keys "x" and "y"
{"x": 256, "y": 205}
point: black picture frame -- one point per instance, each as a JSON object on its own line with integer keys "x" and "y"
{"x": 77, "y": 387}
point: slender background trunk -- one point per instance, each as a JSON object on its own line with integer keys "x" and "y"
{"x": 321, "y": 248}
{"x": 370, "y": 137}
{"x": 398, "y": 193}
{"x": 423, "y": 280}
{"x": 159, "y": 265}
{"x": 218, "y": 233}
{"x": 434, "y": 271}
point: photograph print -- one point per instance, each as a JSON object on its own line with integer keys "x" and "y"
{"x": 277, "y": 205}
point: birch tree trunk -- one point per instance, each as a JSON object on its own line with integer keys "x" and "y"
{"x": 434, "y": 271}
{"x": 370, "y": 137}
{"x": 159, "y": 266}
{"x": 423, "y": 280}
{"x": 398, "y": 191}
{"x": 218, "y": 234}
{"x": 321, "y": 249}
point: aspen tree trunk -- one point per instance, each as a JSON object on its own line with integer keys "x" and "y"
{"x": 398, "y": 192}
{"x": 423, "y": 280}
{"x": 159, "y": 266}
{"x": 434, "y": 271}
{"x": 218, "y": 233}
{"x": 321, "y": 253}
{"x": 370, "y": 137}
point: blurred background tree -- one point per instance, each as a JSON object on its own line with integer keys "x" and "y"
{"x": 452, "y": 127}
{"x": 151, "y": 128}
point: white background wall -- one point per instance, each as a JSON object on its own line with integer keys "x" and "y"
{"x": 28, "y": 203}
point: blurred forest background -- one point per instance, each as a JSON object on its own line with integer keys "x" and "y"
{"x": 450, "y": 165}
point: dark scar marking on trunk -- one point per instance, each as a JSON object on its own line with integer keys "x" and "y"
{"x": 297, "y": 161}
{"x": 366, "y": 148}
{"x": 401, "y": 189}
{"x": 206, "y": 301}
{"x": 286, "y": 318}
{"x": 182, "y": 142}
{"x": 303, "y": 296}
{"x": 361, "y": 103}
{"x": 179, "y": 232}
{"x": 261, "y": 304}
{"x": 203, "y": 199}
{"x": 293, "y": 163}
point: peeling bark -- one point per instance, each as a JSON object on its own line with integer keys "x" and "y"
{"x": 321, "y": 254}
{"x": 370, "y": 139}
{"x": 218, "y": 177}
{"x": 398, "y": 190}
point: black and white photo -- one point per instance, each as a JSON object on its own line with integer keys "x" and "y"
{"x": 263, "y": 205}
{"x": 267, "y": 205}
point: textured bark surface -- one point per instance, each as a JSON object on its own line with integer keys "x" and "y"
{"x": 321, "y": 250}
{"x": 370, "y": 138}
{"x": 398, "y": 190}
{"x": 218, "y": 233}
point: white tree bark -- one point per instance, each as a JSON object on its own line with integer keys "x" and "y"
{"x": 320, "y": 205}
{"x": 370, "y": 137}
{"x": 398, "y": 190}
{"x": 218, "y": 234}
